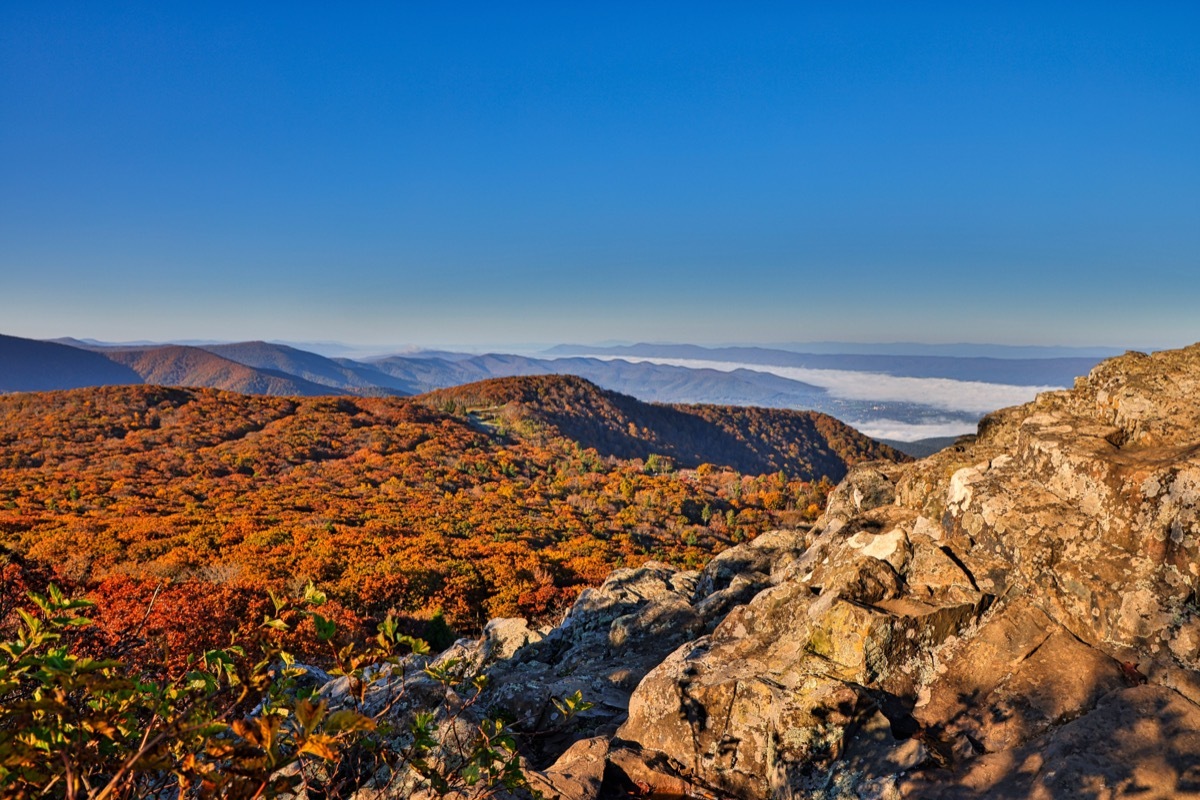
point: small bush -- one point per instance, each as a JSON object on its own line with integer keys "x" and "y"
{"x": 72, "y": 726}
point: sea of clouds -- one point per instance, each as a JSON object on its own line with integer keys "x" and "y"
{"x": 897, "y": 431}
{"x": 974, "y": 398}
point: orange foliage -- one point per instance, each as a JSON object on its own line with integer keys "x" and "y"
{"x": 385, "y": 503}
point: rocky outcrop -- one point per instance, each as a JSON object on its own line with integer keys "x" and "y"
{"x": 616, "y": 633}
{"x": 1000, "y": 603}
{"x": 1013, "y": 617}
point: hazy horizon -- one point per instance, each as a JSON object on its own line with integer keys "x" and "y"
{"x": 340, "y": 347}
{"x": 900, "y": 344}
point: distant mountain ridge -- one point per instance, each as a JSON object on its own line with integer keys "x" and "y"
{"x": 1015, "y": 371}
{"x": 959, "y": 350}
{"x": 336, "y": 373}
{"x": 875, "y": 392}
{"x": 180, "y": 365}
{"x": 28, "y": 365}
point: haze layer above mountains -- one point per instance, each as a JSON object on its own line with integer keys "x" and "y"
{"x": 887, "y": 395}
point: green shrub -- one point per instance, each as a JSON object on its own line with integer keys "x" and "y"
{"x": 74, "y": 727}
{"x": 438, "y": 632}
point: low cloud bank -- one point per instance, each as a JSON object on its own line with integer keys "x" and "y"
{"x": 911, "y": 431}
{"x": 973, "y": 397}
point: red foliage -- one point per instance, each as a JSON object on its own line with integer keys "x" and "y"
{"x": 212, "y": 499}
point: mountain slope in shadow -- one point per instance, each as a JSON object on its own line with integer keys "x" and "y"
{"x": 28, "y": 365}
{"x": 803, "y": 444}
{"x": 341, "y": 374}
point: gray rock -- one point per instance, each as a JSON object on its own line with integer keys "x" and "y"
{"x": 578, "y": 774}
{"x": 1015, "y": 616}
{"x": 996, "y": 592}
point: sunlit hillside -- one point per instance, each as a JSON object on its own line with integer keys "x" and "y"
{"x": 386, "y": 503}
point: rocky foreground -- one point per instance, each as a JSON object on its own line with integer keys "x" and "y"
{"x": 1014, "y": 617}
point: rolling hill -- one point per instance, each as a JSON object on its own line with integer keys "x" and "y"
{"x": 897, "y": 396}
{"x": 659, "y": 383}
{"x": 279, "y": 369}
{"x": 28, "y": 365}
{"x": 803, "y": 444}
{"x": 179, "y": 365}
{"x": 389, "y": 503}
{"x": 344, "y": 375}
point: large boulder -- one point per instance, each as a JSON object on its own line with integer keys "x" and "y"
{"x": 768, "y": 703}
{"x": 616, "y": 633}
{"x": 975, "y": 624}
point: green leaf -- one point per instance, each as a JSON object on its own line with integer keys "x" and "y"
{"x": 200, "y": 681}
{"x": 30, "y": 621}
{"x": 345, "y": 721}
{"x": 419, "y": 647}
{"x": 572, "y": 705}
{"x": 326, "y": 628}
{"x": 314, "y": 595}
{"x": 388, "y": 628}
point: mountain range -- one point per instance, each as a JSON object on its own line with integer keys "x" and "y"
{"x": 1018, "y": 371}
{"x": 895, "y": 397}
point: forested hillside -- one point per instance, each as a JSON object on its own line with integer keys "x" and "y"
{"x": 752, "y": 440}
{"x": 342, "y": 376}
{"x": 28, "y": 365}
{"x": 388, "y": 504}
{"x": 179, "y": 365}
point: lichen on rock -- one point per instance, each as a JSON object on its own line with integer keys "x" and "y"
{"x": 1015, "y": 616}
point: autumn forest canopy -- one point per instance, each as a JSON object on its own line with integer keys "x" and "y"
{"x": 179, "y": 509}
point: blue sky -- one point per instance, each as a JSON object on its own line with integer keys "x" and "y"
{"x": 473, "y": 173}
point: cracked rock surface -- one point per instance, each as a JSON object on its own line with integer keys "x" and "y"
{"x": 1013, "y": 617}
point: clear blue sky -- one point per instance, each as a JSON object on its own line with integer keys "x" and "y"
{"x": 491, "y": 173}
